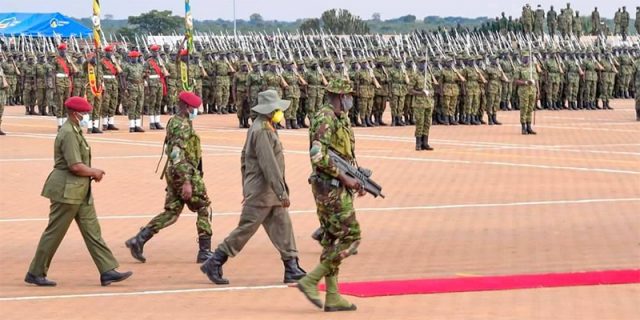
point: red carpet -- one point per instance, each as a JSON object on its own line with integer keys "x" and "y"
{"x": 485, "y": 283}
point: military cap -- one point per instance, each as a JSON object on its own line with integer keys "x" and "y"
{"x": 190, "y": 99}
{"x": 154, "y": 47}
{"x": 269, "y": 101}
{"x": 133, "y": 54}
{"x": 339, "y": 86}
{"x": 78, "y": 104}
{"x": 421, "y": 59}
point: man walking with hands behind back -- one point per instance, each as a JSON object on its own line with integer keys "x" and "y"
{"x": 265, "y": 191}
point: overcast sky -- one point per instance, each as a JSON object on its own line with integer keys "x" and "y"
{"x": 289, "y": 10}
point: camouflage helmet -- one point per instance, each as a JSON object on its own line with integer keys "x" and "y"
{"x": 339, "y": 86}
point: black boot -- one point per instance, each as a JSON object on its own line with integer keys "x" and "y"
{"x": 317, "y": 235}
{"x": 466, "y": 119}
{"x": 394, "y": 122}
{"x": 363, "y": 120}
{"x": 399, "y": 121}
{"x": 524, "y": 128}
{"x": 418, "y": 143}
{"x": 494, "y": 117}
{"x": 159, "y": 126}
{"x": 529, "y": 129}
{"x": 479, "y": 118}
{"x": 246, "y": 123}
{"x": 425, "y": 143}
{"x": 112, "y": 276}
{"x": 96, "y": 130}
{"x": 138, "y": 129}
{"x": 136, "y": 244}
{"x": 380, "y": 121}
{"x": 443, "y": 120}
{"x": 240, "y": 123}
{"x": 490, "y": 120}
{"x": 292, "y": 271}
{"x": 452, "y": 121}
{"x": 204, "y": 252}
{"x": 152, "y": 126}
{"x": 39, "y": 281}
{"x": 607, "y": 106}
{"x": 294, "y": 124}
{"x": 287, "y": 124}
{"x": 213, "y": 267}
{"x": 356, "y": 121}
{"x": 637, "y": 115}
{"x": 412, "y": 120}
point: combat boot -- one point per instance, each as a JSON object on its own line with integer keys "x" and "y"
{"x": 524, "y": 128}
{"x": 452, "y": 121}
{"x": 494, "y": 117}
{"x": 333, "y": 300}
{"x": 204, "y": 251}
{"x": 213, "y": 267}
{"x": 606, "y": 105}
{"x": 159, "y": 126}
{"x": 490, "y": 120}
{"x": 637, "y": 117}
{"x": 2, "y": 133}
{"x": 466, "y": 119}
{"x": 308, "y": 285}
{"x": 136, "y": 244}
{"x": 96, "y": 130}
{"x": 418, "y": 143}
{"x": 39, "y": 281}
{"x": 112, "y": 127}
{"x": 529, "y": 129}
{"x": 394, "y": 122}
{"x": 356, "y": 121}
{"x": 380, "y": 121}
{"x": 246, "y": 123}
{"x": 479, "y": 119}
{"x": 425, "y": 143}
{"x": 112, "y": 276}
{"x": 412, "y": 121}
{"x": 152, "y": 126}
{"x": 287, "y": 124}
{"x": 400, "y": 122}
{"x": 292, "y": 271}
{"x": 364, "y": 122}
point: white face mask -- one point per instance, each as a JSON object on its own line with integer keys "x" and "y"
{"x": 84, "y": 121}
{"x": 193, "y": 114}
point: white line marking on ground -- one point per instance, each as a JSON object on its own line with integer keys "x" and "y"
{"x": 379, "y": 209}
{"x": 139, "y": 293}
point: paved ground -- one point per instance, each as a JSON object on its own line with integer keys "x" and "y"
{"x": 487, "y": 201}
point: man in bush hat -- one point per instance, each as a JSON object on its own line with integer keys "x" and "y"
{"x": 265, "y": 191}
{"x": 68, "y": 188}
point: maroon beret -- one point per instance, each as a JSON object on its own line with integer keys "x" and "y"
{"x": 62, "y": 46}
{"x": 78, "y": 104}
{"x": 190, "y": 99}
{"x": 154, "y": 47}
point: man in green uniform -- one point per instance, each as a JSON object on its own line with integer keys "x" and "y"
{"x": 626, "y": 74}
{"x": 134, "y": 91}
{"x": 422, "y": 91}
{"x": 68, "y": 187}
{"x": 365, "y": 79}
{"x": 616, "y": 22}
{"x": 183, "y": 171}
{"x": 398, "y": 81}
{"x": 292, "y": 93}
{"x": 495, "y": 78}
{"x": 44, "y": 84}
{"x": 624, "y": 23}
{"x": 208, "y": 84}
{"x": 637, "y": 22}
{"x": 552, "y": 21}
{"x": 154, "y": 73}
{"x": 79, "y": 78}
{"x": 591, "y": 67}
{"x": 223, "y": 71}
{"x": 577, "y": 25}
{"x": 472, "y": 95}
{"x": 381, "y": 94}
{"x": 636, "y": 86}
{"x": 573, "y": 80}
{"x": 527, "y": 18}
{"x": 607, "y": 79}
{"x": 266, "y": 194}
{"x": 240, "y": 90}
{"x": 595, "y": 22}
{"x": 94, "y": 91}
{"x": 110, "y": 92}
{"x": 538, "y": 24}
{"x": 526, "y": 78}
{"x": 29, "y": 73}
{"x": 333, "y": 192}
{"x": 11, "y": 72}
{"x": 315, "y": 89}
{"x": 450, "y": 90}
{"x": 255, "y": 83}
{"x": 173, "y": 82}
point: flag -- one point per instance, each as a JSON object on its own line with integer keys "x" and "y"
{"x": 97, "y": 31}
{"x": 188, "y": 25}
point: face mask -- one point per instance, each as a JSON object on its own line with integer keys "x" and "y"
{"x": 347, "y": 103}
{"x": 62, "y": 53}
{"x": 277, "y": 116}
{"x": 193, "y": 114}
{"x": 84, "y": 121}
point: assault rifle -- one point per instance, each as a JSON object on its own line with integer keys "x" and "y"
{"x": 361, "y": 174}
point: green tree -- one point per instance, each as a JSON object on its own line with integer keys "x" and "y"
{"x": 340, "y": 21}
{"x": 309, "y": 25}
{"x": 156, "y": 22}
{"x": 256, "y": 19}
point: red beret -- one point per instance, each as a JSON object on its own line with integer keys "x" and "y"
{"x": 190, "y": 99}
{"x": 78, "y": 104}
{"x": 108, "y": 49}
{"x": 184, "y": 52}
{"x": 134, "y": 54}
{"x": 154, "y": 47}
{"x": 62, "y": 46}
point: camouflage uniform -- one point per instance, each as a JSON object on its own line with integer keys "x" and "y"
{"x": 10, "y": 73}
{"x": 109, "y": 94}
{"x": 573, "y": 80}
{"x": 173, "y": 83}
{"x": 209, "y": 85}
{"x": 472, "y": 97}
{"x": 184, "y": 163}
{"x": 134, "y": 73}
{"x": 398, "y": 93}
{"x": 29, "y": 72}
{"x": 626, "y": 73}
{"x": 3, "y": 93}
{"x": 256, "y": 84}
{"x": 44, "y": 86}
{"x": 381, "y": 94}
{"x": 79, "y": 78}
{"x": 526, "y": 93}
{"x": 241, "y": 90}
{"x": 292, "y": 93}
{"x": 222, "y": 83}
{"x": 637, "y": 87}
{"x": 450, "y": 91}
{"x": 552, "y": 84}
{"x": 63, "y": 86}
{"x": 507, "y": 86}
{"x": 607, "y": 77}
{"x": 493, "y": 93}
{"x": 315, "y": 91}
{"x": 422, "y": 107}
{"x": 365, "y": 94}
{"x": 154, "y": 90}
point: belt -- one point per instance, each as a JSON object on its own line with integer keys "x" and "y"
{"x": 108, "y": 77}
{"x": 154, "y": 76}
{"x": 61, "y": 75}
